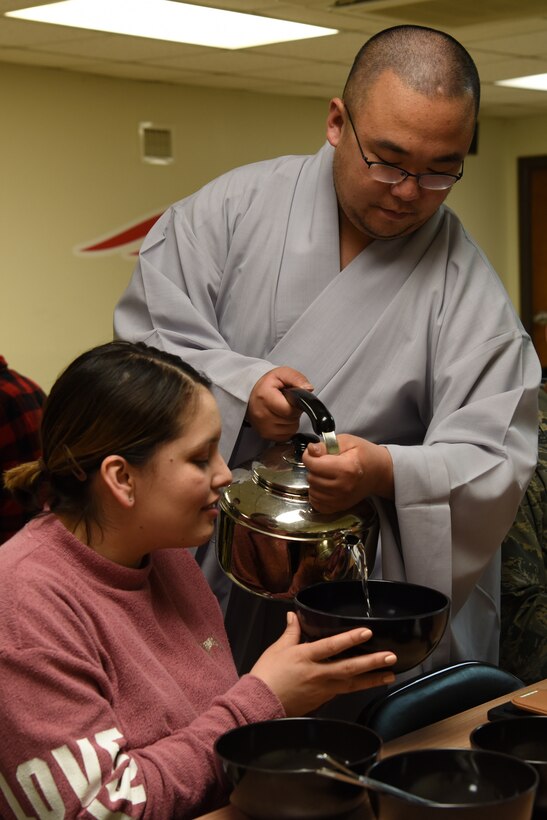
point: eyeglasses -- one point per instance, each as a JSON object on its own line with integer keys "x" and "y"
{"x": 393, "y": 175}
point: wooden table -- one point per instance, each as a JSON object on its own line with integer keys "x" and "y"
{"x": 450, "y": 733}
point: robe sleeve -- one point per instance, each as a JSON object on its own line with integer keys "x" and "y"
{"x": 458, "y": 413}
{"x": 463, "y": 485}
{"x": 173, "y": 297}
{"x": 475, "y": 460}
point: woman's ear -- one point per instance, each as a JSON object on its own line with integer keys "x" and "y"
{"x": 335, "y": 121}
{"x": 118, "y": 477}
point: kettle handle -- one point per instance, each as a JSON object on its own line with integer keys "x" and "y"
{"x": 321, "y": 420}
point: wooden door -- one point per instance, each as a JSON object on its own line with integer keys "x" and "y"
{"x": 533, "y": 249}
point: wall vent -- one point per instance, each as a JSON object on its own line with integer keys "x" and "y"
{"x": 156, "y": 143}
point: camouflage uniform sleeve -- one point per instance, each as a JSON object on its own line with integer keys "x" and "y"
{"x": 523, "y": 643}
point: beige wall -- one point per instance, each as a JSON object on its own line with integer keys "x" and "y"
{"x": 72, "y": 173}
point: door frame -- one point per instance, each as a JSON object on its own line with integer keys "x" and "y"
{"x": 526, "y": 167}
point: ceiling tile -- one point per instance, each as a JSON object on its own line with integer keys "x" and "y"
{"x": 340, "y": 48}
{"x": 121, "y": 49}
{"x": 24, "y": 33}
{"x": 234, "y": 62}
{"x": 508, "y": 67}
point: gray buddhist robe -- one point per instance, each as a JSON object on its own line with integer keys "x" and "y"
{"x": 414, "y": 345}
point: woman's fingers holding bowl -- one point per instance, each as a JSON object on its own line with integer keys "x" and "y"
{"x": 357, "y": 672}
{"x": 332, "y": 645}
{"x": 362, "y": 671}
{"x": 369, "y": 680}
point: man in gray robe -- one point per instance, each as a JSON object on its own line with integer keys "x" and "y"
{"x": 346, "y": 272}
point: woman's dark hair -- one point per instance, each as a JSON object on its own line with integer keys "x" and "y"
{"x": 119, "y": 398}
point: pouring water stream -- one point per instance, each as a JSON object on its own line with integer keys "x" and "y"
{"x": 357, "y": 549}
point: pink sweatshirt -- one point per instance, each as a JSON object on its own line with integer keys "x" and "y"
{"x": 114, "y": 683}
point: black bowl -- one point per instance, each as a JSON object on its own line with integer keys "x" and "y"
{"x": 271, "y": 767}
{"x": 407, "y": 619}
{"x": 524, "y": 737}
{"x": 464, "y": 784}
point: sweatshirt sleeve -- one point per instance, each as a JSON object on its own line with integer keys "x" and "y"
{"x": 67, "y": 756}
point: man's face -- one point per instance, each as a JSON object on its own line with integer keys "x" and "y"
{"x": 405, "y": 128}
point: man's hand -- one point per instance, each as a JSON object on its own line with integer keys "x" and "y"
{"x": 338, "y": 482}
{"x": 268, "y": 411}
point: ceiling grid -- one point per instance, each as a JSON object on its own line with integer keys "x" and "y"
{"x": 505, "y": 38}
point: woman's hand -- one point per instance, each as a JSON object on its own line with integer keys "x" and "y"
{"x": 306, "y": 675}
{"x": 338, "y": 482}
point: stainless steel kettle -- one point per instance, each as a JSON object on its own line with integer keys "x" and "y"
{"x": 270, "y": 540}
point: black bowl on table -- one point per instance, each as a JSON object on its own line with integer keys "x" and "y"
{"x": 271, "y": 767}
{"x": 406, "y": 619}
{"x": 524, "y": 737}
{"x": 463, "y": 784}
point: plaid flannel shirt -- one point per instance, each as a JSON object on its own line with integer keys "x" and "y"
{"x": 21, "y": 403}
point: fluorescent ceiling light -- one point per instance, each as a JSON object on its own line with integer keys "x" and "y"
{"x": 536, "y": 82}
{"x": 174, "y": 21}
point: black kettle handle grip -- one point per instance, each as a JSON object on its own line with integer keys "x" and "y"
{"x": 321, "y": 419}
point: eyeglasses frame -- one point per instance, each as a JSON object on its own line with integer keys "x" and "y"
{"x": 406, "y": 174}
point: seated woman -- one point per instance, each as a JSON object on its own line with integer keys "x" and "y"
{"x": 116, "y": 676}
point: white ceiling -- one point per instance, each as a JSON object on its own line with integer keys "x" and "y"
{"x": 507, "y": 38}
